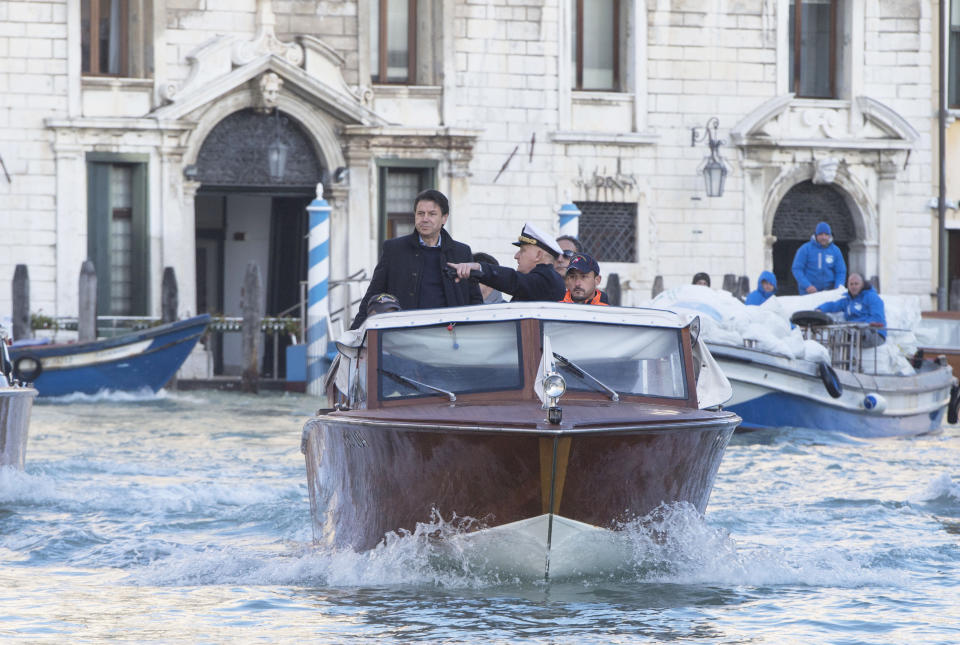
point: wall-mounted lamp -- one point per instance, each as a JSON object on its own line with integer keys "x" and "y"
{"x": 191, "y": 172}
{"x": 277, "y": 151}
{"x": 713, "y": 168}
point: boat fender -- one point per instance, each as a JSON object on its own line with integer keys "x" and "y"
{"x": 874, "y": 402}
{"x": 27, "y": 368}
{"x": 954, "y": 403}
{"x": 830, "y": 381}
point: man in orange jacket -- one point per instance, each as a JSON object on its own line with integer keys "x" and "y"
{"x": 582, "y": 280}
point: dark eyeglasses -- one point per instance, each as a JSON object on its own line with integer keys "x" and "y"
{"x": 568, "y": 253}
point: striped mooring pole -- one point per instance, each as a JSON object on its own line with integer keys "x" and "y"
{"x": 318, "y": 278}
{"x": 569, "y": 216}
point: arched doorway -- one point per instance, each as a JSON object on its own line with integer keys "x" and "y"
{"x": 795, "y": 220}
{"x": 246, "y": 211}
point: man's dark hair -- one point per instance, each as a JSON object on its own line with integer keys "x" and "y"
{"x": 480, "y": 256}
{"x": 576, "y": 243}
{"x": 435, "y": 196}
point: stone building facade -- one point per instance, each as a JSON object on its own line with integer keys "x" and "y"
{"x": 137, "y": 133}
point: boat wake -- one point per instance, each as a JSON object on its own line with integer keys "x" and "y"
{"x": 673, "y": 545}
{"x": 110, "y": 396}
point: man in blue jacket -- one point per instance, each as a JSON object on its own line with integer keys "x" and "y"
{"x": 861, "y": 304}
{"x": 818, "y": 264}
{"x": 766, "y": 287}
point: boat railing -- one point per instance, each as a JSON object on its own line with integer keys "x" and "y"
{"x": 844, "y": 341}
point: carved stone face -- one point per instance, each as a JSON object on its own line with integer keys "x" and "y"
{"x": 270, "y": 85}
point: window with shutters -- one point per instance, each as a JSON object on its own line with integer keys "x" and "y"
{"x": 116, "y": 38}
{"x": 117, "y": 234}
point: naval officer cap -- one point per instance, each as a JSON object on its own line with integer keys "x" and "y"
{"x": 534, "y": 236}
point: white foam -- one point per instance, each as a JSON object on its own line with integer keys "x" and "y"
{"x": 674, "y": 545}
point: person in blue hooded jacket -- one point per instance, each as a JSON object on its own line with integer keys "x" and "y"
{"x": 861, "y": 304}
{"x": 818, "y": 264}
{"x": 766, "y": 287}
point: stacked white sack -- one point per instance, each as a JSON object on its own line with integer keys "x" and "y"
{"x": 726, "y": 320}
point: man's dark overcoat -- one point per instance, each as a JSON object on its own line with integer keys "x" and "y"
{"x": 401, "y": 267}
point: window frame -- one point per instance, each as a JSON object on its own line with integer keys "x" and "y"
{"x": 380, "y": 65}
{"x": 578, "y": 52}
{"x": 375, "y": 366}
{"x": 94, "y": 40}
{"x": 428, "y": 178}
{"x": 795, "y": 49}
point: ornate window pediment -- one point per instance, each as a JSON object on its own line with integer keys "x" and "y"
{"x": 863, "y": 123}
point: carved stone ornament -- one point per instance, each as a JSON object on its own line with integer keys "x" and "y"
{"x": 825, "y": 170}
{"x": 269, "y": 85}
{"x": 266, "y": 41}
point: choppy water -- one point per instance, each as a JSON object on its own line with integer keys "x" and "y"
{"x": 185, "y": 518}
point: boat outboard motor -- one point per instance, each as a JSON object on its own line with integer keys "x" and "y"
{"x": 874, "y": 402}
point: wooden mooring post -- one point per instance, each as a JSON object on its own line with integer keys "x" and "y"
{"x": 169, "y": 301}
{"x": 87, "y": 310}
{"x": 252, "y": 317}
{"x": 21, "y": 303}
{"x": 657, "y": 286}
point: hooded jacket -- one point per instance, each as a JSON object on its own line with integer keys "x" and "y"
{"x": 821, "y": 266}
{"x": 758, "y": 296}
{"x": 865, "y": 307}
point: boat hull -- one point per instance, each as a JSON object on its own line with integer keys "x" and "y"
{"x": 367, "y": 479}
{"x": 141, "y": 360}
{"x": 16, "y": 404}
{"x": 772, "y": 391}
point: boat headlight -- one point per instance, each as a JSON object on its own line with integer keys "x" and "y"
{"x": 554, "y": 386}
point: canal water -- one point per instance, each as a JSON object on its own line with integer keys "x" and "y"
{"x": 184, "y": 517}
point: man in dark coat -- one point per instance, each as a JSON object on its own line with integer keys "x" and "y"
{"x": 411, "y": 266}
{"x": 534, "y": 278}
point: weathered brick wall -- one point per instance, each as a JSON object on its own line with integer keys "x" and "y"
{"x": 506, "y": 66}
{"x": 33, "y": 87}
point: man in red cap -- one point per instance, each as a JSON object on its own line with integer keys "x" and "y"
{"x": 583, "y": 281}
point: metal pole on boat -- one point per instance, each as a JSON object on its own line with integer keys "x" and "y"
{"x": 318, "y": 278}
{"x": 553, "y": 487}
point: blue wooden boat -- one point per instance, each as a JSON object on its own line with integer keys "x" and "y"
{"x": 143, "y": 359}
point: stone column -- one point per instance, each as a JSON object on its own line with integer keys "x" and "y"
{"x": 71, "y": 223}
{"x": 882, "y": 259}
{"x": 178, "y": 234}
{"x": 757, "y": 247}
{"x": 354, "y": 233}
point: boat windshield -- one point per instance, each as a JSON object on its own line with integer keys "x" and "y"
{"x": 455, "y": 357}
{"x": 646, "y": 361}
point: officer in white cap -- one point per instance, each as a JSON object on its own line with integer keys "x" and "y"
{"x": 534, "y": 278}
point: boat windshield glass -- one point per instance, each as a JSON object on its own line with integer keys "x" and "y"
{"x": 457, "y": 357}
{"x": 646, "y": 361}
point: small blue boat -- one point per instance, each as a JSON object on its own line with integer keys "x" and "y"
{"x": 143, "y": 359}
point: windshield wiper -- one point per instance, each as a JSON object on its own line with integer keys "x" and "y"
{"x": 410, "y": 381}
{"x": 579, "y": 371}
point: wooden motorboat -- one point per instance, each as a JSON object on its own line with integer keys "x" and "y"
{"x": 145, "y": 359}
{"x": 16, "y": 402}
{"x": 534, "y": 420}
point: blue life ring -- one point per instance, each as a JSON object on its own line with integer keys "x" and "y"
{"x": 954, "y": 404}
{"x": 831, "y": 381}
